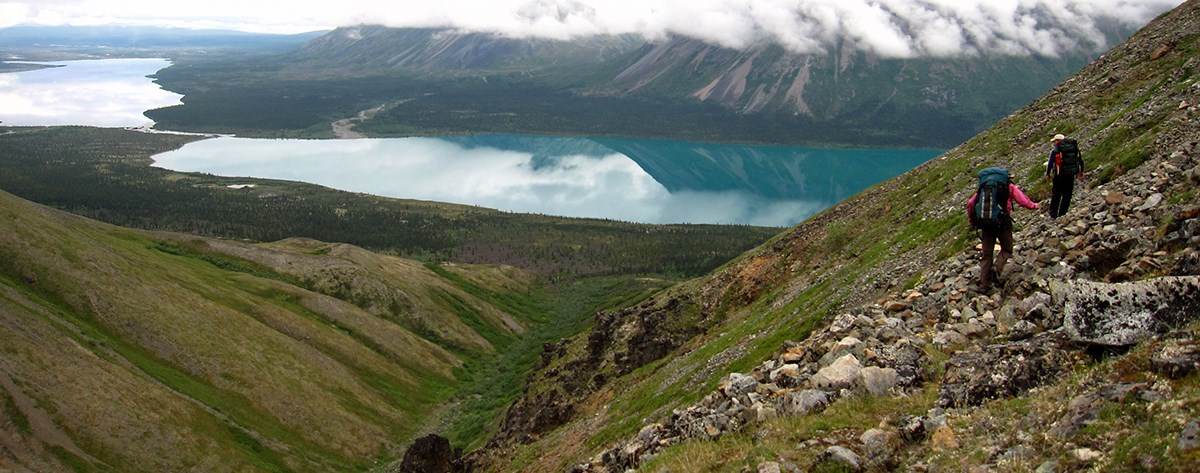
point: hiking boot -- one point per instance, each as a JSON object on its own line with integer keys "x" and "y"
{"x": 984, "y": 287}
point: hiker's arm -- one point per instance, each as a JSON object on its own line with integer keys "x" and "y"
{"x": 971, "y": 211}
{"x": 1050, "y": 164}
{"x": 1021, "y": 198}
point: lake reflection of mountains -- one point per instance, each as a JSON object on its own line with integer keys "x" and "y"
{"x": 636, "y": 180}
{"x": 819, "y": 175}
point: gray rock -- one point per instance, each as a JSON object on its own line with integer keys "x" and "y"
{"x": 843, "y": 456}
{"x": 1047, "y": 467}
{"x": 877, "y": 448}
{"x": 1189, "y": 438}
{"x": 972, "y": 329}
{"x": 759, "y": 412}
{"x": 841, "y": 374}
{"x": 908, "y": 359}
{"x": 950, "y": 337}
{"x": 968, "y": 314}
{"x": 1006, "y": 317}
{"x": 877, "y": 381}
{"x": 1022, "y": 330}
{"x": 1151, "y": 202}
{"x": 1029, "y": 304}
{"x": 1019, "y": 452}
{"x": 912, "y": 429}
{"x": 842, "y": 323}
{"x": 650, "y": 434}
{"x": 1084, "y": 409}
{"x": 1176, "y": 360}
{"x": 769, "y": 467}
{"x": 803, "y": 402}
{"x": 737, "y": 384}
{"x": 1123, "y": 314}
{"x": 787, "y": 376}
{"x": 846, "y": 345}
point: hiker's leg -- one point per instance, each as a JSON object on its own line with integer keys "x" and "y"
{"x": 1068, "y": 187}
{"x": 1006, "y": 249}
{"x": 1061, "y": 197}
{"x": 1055, "y": 196}
{"x": 985, "y": 259}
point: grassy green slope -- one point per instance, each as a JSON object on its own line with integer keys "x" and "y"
{"x": 128, "y": 351}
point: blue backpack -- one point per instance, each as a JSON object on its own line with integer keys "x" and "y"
{"x": 991, "y": 204}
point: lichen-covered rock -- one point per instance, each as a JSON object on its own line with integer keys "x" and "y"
{"x": 999, "y": 371}
{"x": 912, "y": 429}
{"x": 1122, "y": 314}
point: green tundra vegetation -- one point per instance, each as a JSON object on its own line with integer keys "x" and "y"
{"x": 106, "y": 174}
{"x": 467, "y": 295}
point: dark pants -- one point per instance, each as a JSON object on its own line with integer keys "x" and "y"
{"x": 1060, "y": 200}
{"x": 985, "y": 262}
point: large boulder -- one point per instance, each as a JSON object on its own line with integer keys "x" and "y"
{"x": 999, "y": 371}
{"x": 840, "y": 375}
{"x": 1122, "y": 314}
{"x": 431, "y": 454}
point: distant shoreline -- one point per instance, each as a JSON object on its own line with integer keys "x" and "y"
{"x": 21, "y": 66}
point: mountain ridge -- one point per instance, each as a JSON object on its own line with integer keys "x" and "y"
{"x": 847, "y": 86}
{"x": 448, "y": 82}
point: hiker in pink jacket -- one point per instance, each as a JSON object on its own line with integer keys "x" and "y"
{"x": 1000, "y": 231}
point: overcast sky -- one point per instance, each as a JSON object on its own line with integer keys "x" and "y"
{"x": 893, "y": 28}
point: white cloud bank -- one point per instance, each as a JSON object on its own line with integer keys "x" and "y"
{"x": 894, "y": 28}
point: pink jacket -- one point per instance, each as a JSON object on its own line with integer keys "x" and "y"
{"x": 1014, "y": 193}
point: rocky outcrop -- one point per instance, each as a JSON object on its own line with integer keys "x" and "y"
{"x": 1126, "y": 313}
{"x": 1002, "y": 370}
{"x": 431, "y": 454}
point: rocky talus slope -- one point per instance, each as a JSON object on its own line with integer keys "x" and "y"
{"x": 1033, "y": 330}
{"x": 1084, "y": 357}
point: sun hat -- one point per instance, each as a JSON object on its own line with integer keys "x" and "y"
{"x": 1058, "y": 137}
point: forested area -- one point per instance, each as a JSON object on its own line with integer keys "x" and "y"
{"x": 305, "y": 105}
{"x": 106, "y": 174}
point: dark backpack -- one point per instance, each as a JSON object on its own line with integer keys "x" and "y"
{"x": 1068, "y": 161}
{"x": 991, "y": 202}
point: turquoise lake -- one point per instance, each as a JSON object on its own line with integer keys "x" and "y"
{"x": 637, "y": 180}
